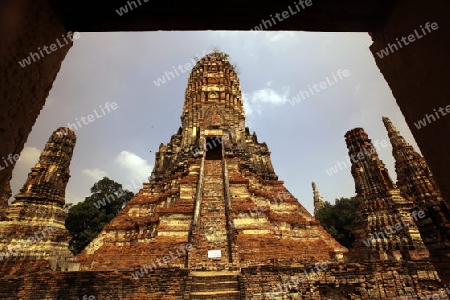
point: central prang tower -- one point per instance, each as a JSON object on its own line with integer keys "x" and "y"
{"x": 213, "y": 102}
{"x": 213, "y": 114}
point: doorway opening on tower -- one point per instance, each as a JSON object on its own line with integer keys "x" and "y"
{"x": 213, "y": 147}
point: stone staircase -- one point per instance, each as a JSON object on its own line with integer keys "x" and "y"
{"x": 214, "y": 285}
{"x": 211, "y": 232}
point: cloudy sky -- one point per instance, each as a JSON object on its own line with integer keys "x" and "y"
{"x": 306, "y": 139}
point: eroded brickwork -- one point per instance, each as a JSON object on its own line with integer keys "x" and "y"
{"x": 213, "y": 186}
{"x": 415, "y": 180}
{"x": 384, "y": 227}
{"x": 214, "y": 221}
{"x": 33, "y": 227}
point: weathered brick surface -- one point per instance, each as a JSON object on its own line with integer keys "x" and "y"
{"x": 415, "y": 180}
{"x": 33, "y": 225}
{"x": 160, "y": 284}
{"x": 217, "y": 194}
{"x": 226, "y": 196}
{"x": 381, "y": 207}
{"x": 377, "y": 280}
{"x": 210, "y": 233}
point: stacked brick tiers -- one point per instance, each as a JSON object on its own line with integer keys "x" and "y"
{"x": 33, "y": 227}
{"x": 214, "y": 221}
{"x": 415, "y": 180}
{"x": 384, "y": 228}
{"x": 213, "y": 186}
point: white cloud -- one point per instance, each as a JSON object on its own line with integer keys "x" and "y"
{"x": 95, "y": 174}
{"x": 28, "y": 158}
{"x": 260, "y": 98}
{"x": 133, "y": 165}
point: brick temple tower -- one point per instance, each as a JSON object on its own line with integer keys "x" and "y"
{"x": 213, "y": 187}
{"x": 213, "y": 222}
{"x": 33, "y": 227}
{"x": 415, "y": 180}
{"x": 384, "y": 227}
{"x": 318, "y": 201}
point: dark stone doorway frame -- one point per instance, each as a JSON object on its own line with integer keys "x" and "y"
{"x": 417, "y": 74}
{"x": 213, "y": 148}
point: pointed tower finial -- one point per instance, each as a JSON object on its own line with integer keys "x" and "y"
{"x": 414, "y": 177}
{"x": 48, "y": 179}
{"x": 415, "y": 180}
{"x": 394, "y": 135}
{"x": 369, "y": 172}
{"x": 318, "y": 200}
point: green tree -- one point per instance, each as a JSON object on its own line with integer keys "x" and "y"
{"x": 86, "y": 219}
{"x": 338, "y": 219}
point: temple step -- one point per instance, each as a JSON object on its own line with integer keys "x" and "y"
{"x": 214, "y": 285}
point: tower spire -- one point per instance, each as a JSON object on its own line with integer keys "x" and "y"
{"x": 213, "y": 100}
{"x": 380, "y": 206}
{"x": 370, "y": 173}
{"x": 403, "y": 154}
{"x": 415, "y": 180}
{"x": 48, "y": 179}
{"x": 34, "y": 226}
{"x": 395, "y": 137}
{"x": 318, "y": 201}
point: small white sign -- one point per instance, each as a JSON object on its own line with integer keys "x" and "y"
{"x": 214, "y": 253}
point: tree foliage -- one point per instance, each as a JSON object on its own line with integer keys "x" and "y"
{"x": 86, "y": 219}
{"x": 338, "y": 219}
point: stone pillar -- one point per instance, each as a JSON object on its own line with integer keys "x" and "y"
{"x": 26, "y": 26}
{"x": 318, "y": 201}
{"x": 418, "y": 75}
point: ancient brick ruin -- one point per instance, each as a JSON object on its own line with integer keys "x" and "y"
{"x": 381, "y": 208}
{"x": 415, "y": 180}
{"x": 32, "y": 230}
{"x": 317, "y": 198}
{"x": 214, "y": 221}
